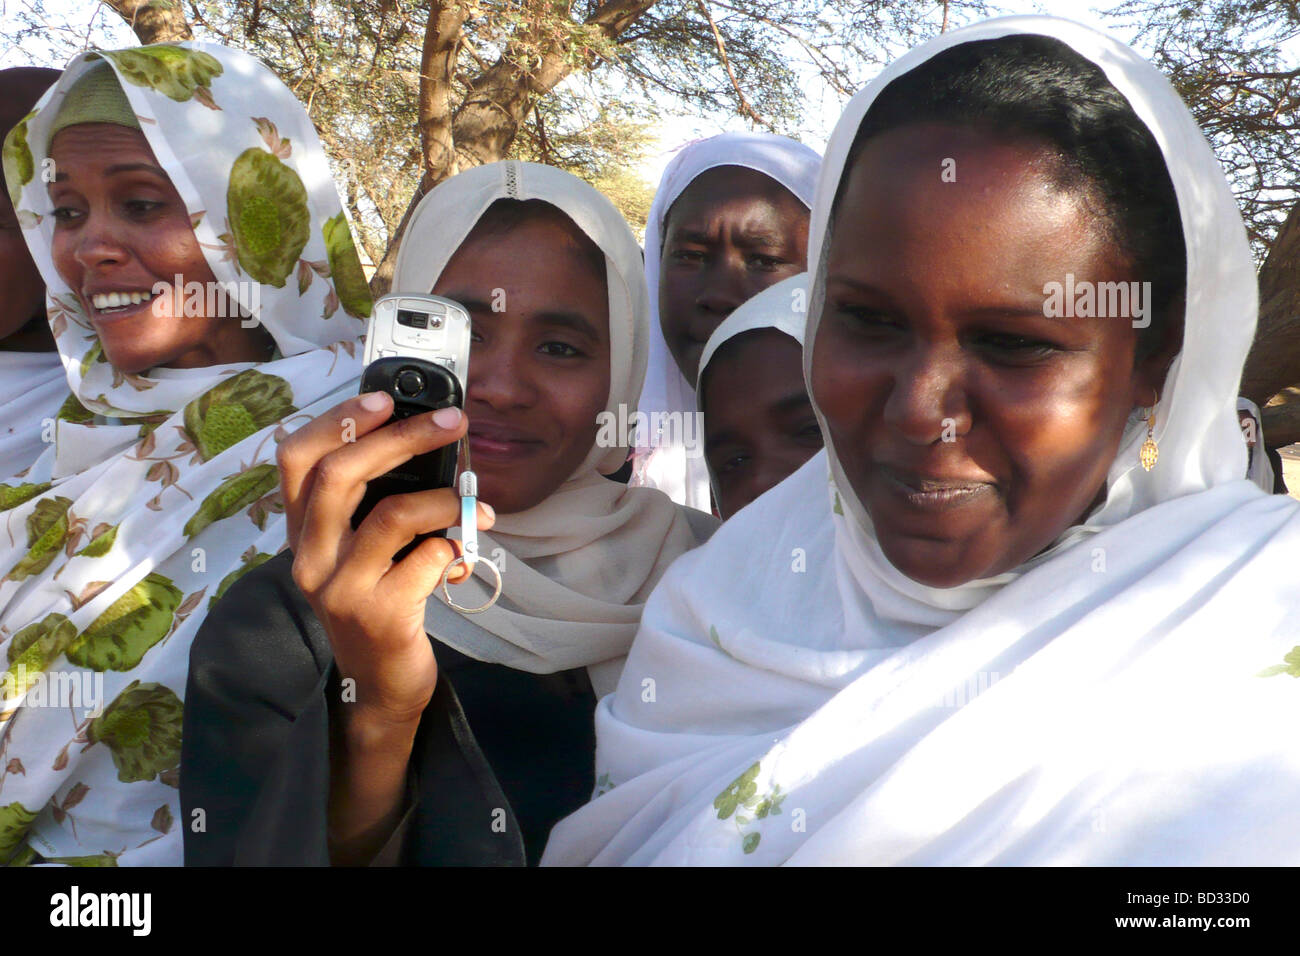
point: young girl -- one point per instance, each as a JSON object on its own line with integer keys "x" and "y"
{"x": 1011, "y": 629}
{"x": 337, "y": 710}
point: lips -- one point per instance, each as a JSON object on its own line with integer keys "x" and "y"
{"x": 111, "y": 303}
{"x": 493, "y": 440}
{"x": 929, "y": 492}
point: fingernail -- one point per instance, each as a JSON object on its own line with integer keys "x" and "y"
{"x": 374, "y": 401}
{"x": 447, "y": 418}
{"x": 491, "y": 512}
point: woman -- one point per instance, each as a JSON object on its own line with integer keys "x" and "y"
{"x": 1002, "y": 639}
{"x": 759, "y": 425}
{"x": 32, "y": 383}
{"x": 195, "y": 259}
{"x": 450, "y": 739}
{"x": 729, "y": 219}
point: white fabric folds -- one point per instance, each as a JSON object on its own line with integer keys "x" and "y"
{"x": 783, "y": 307}
{"x": 1128, "y": 697}
{"x": 161, "y": 488}
{"x": 580, "y": 565}
{"x": 32, "y": 387}
{"x": 661, "y": 462}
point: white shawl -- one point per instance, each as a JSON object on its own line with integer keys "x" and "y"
{"x": 577, "y": 568}
{"x": 32, "y": 387}
{"x": 1128, "y": 697}
{"x": 662, "y": 462}
{"x": 161, "y": 488}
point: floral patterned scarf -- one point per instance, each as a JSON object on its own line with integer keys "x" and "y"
{"x": 161, "y": 488}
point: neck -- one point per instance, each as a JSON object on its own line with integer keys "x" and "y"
{"x": 34, "y": 336}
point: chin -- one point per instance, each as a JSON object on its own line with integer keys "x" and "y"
{"x": 936, "y": 564}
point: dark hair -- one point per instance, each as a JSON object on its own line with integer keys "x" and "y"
{"x": 506, "y": 214}
{"x": 1038, "y": 88}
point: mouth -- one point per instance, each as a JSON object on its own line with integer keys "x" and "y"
{"x": 493, "y": 441}
{"x": 933, "y": 492}
{"x": 119, "y": 303}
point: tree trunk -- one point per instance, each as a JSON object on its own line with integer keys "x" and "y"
{"x": 1274, "y": 360}
{"x": 485, "y": 124}
{"x": 1280, "y": 421}
{"x": 154, "y": 21}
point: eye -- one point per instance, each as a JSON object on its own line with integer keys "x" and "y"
{"x": 809, "y": 433}
{"x": 731, "y": 462}
{"x": 1017, "y": 348}
{"x": 142, "y": 207}
{"x": 868, "y": 319}
{"x": 687, "y": 255}
{"x": 766, "y": 263}
{"x": 560, "y": 350}
{"x": 65, "y": 214}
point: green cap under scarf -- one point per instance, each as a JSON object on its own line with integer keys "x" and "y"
{"x": 95, "y": 98}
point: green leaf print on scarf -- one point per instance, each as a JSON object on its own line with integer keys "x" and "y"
{"x": 119, "y": 638}
{"x": 233, "y": 494}
{"x": 95, "y": 354}
{"x": 142, "y": 728}
{"x": 19, "y": 167}
{"x": 100, "y": 545}
{"x": 237, "y": 408}
{"x": 270, "y": 223}
{"x": 256, "y": 561}
{"x": 11, "y": 496}
{"x": 73, "y": 411}
{"x": 34, "y": 648}
{"x": 173, "y": 71}
{"x": 345, "y": 267}
{"x": 99, "y": 859}
{"x": 15, "y": 820}
{"x": 1290, "y": 665}
{"x": 742, "y": 794}
{"x": 47, "y": 527}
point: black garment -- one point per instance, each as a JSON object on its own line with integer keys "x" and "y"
{"x": 495, "y": 745}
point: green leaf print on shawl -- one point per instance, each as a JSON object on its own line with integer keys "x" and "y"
{"x": 345, "y": 267}
{"x": 47, "y": 527}
{"x": 742, "y": 794}
{"x": 237, "y": 408}
{"x": 142, "y": 729}
{"x": 15, "y": 819}
{"x": 232, "y": 495}
{"x": 270, "y": 222}
{"x": 252, "y": 562}
{"x": 100, "y": 544}
{"x": 11, "y": 496}
{"x": 1290, "y": 665}
{"x": 33, "y": 649}
{"x": 19, "y": 167}
{"x": 73, "y": 411}
{"x": 173, "y": 71}
{"x": 120, "y": 637}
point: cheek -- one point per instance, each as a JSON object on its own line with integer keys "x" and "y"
{"x": 845, "y": 385}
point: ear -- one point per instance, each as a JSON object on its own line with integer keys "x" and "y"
{"x": 1151, "y": 366}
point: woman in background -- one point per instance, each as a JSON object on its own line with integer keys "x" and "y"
{"x": 729, "y": 219}
{"x": 32, "y": 382}
{"x": 206, "y": 299}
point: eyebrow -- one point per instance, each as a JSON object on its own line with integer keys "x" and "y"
{"x": 749, "y": 237}
{"x": 566, "y": 318}
{"x": 981, "y": 312}
{"x": 122, "y": 168}
{"x": 792, "y": 401}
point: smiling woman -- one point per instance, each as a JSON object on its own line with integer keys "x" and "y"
{"x": 978, "y": 629}
{"x": 160, "y": 488}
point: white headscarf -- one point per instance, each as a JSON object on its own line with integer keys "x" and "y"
{"x": 1261, "y": 469}
{"x": 32, "y": 387}
{"x": 783, "y": 307}
{"x": 1120, "y": 699}
{"x": 579, "y": 566}
{"x": 661, "y": 462}
{"x": 162, "y": 487}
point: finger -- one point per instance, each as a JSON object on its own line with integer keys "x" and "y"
{"x": 298, "y": 455}
{"x": 390, "y": 527}
{"x": 339, "y": 482}
{"x": 420, "y": 572}
{"x": 485, "y": 519}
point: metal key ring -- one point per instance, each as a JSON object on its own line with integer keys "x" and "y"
{"x": 460, "y": 559}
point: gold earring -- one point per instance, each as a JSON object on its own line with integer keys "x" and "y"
{"x": 1150, "y": 452}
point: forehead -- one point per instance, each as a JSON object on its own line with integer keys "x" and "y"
{"x": 101, "y": 144}
{"x": 751, "y": 371}
{"x": 733, "y": 191}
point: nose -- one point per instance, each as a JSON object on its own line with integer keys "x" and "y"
{"x": 928, "y": 400}
{"x": 97, "y": 244}
{"x": 726, "y": 286}
{"x": 499, "y": 378}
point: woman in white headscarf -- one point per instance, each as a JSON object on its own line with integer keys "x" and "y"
{"x": 759, "y": 424}
{"x": 206, "y": 299}
{"x": 728, "y": 220}
{"x": 32, "y": 383}
{"x": 997, "y": 637}
{"x": 475, "y": 732}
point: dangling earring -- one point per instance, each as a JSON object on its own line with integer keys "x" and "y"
{"x": 1150, "y": 452}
